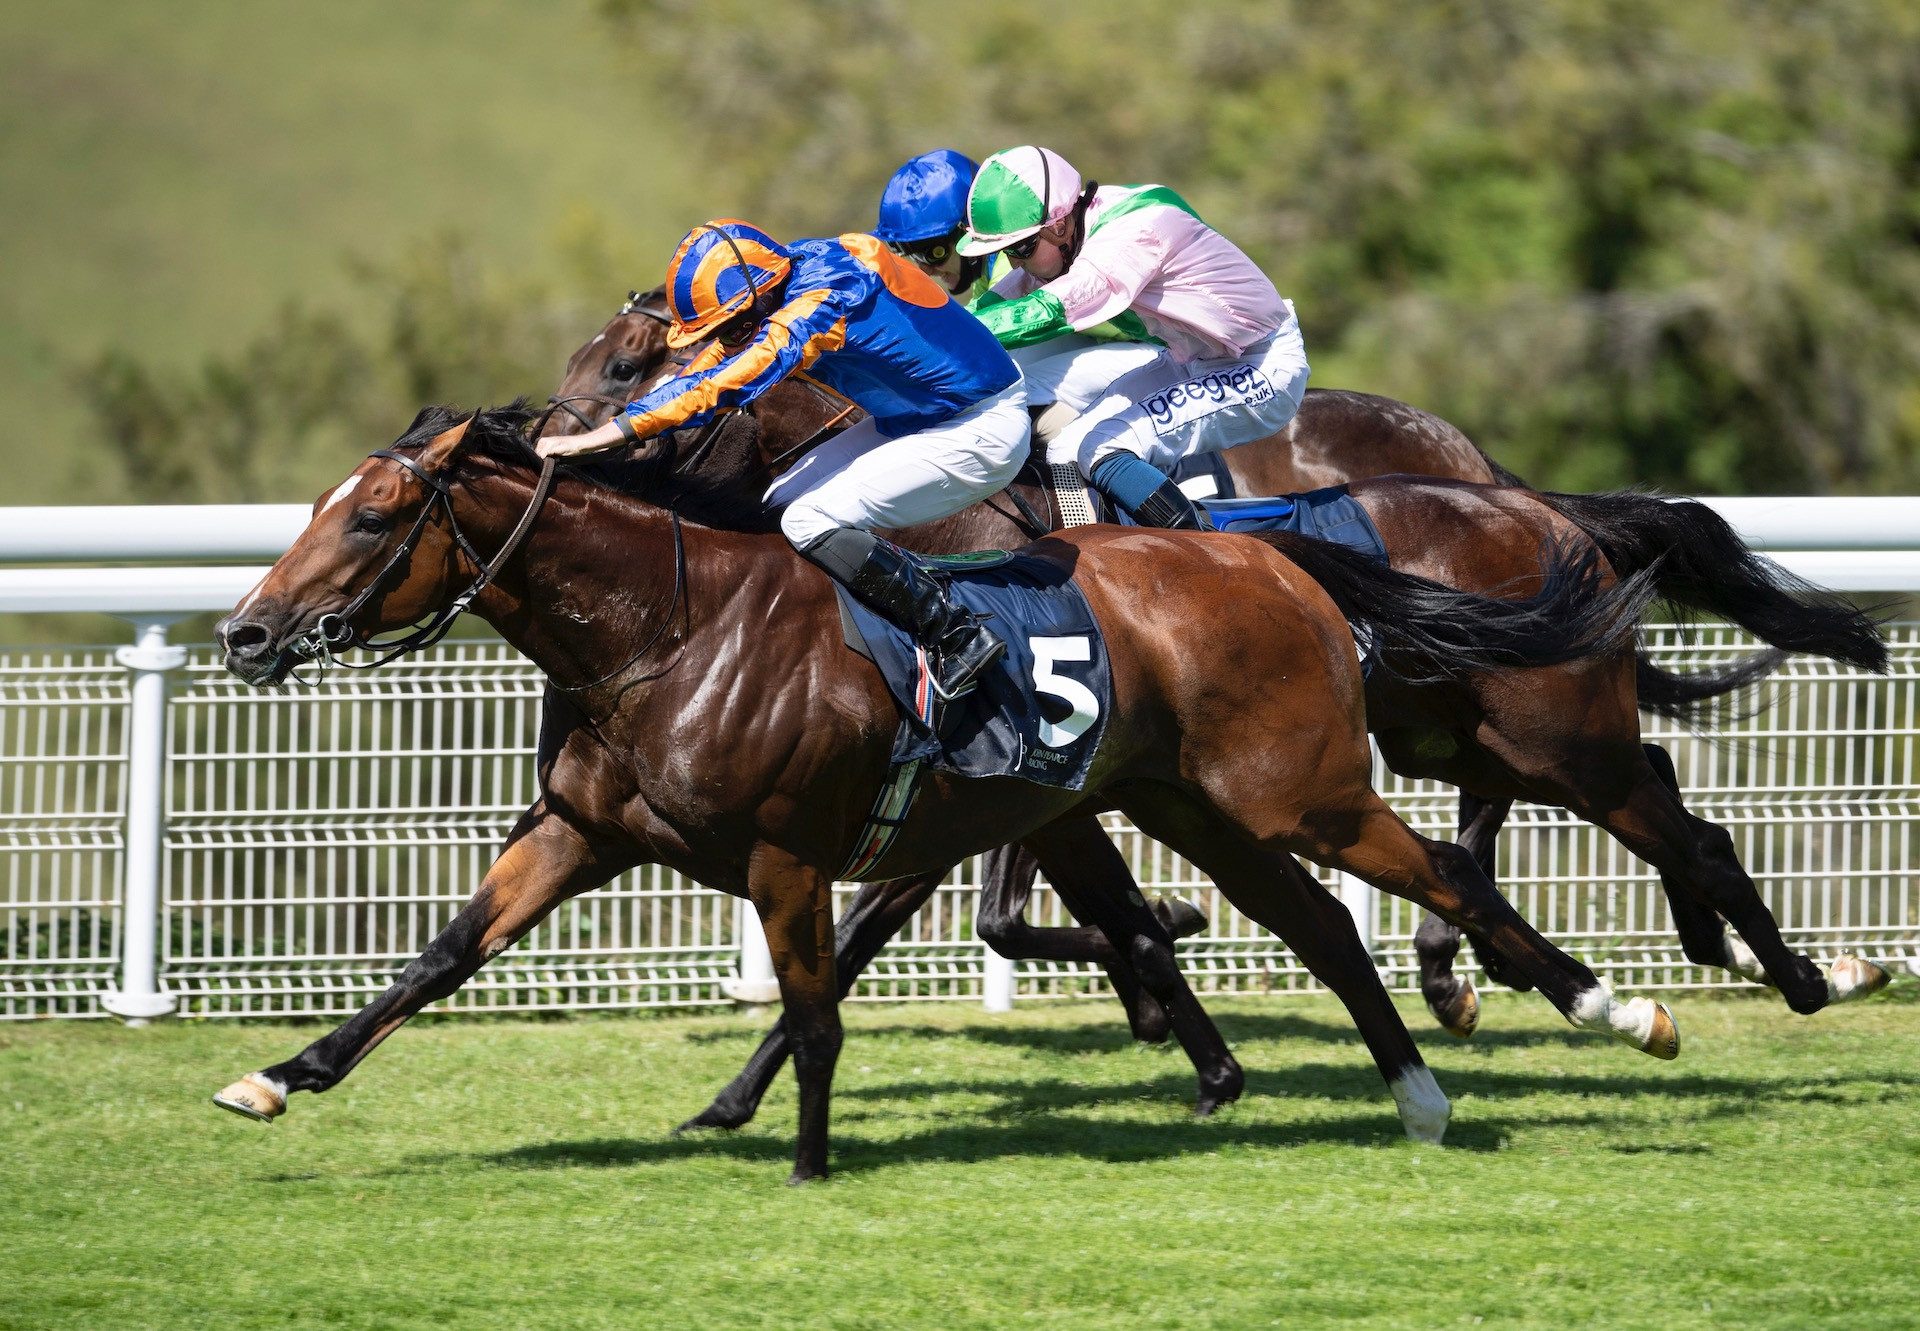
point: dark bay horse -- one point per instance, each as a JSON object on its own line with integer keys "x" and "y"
{"x": 703, "y": 713}
{"x": 1494, "y": 754}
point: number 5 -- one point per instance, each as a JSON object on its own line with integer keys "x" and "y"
{"x": 1086, "y": 708}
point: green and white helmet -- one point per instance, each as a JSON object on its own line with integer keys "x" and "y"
{"x": 1016, "y": 193}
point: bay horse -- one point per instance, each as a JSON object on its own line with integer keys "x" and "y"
{"x": 1536, "y": 736}
{"x": 736, "y": 740}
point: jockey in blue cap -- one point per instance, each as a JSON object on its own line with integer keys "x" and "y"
{"x": 923, "y": 218}
{"x": 923, "y": 214}
{"x": 946, "y": 408}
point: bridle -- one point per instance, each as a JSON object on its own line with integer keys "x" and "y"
{"x": 333, "y": 632}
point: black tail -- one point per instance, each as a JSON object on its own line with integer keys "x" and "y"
{"x": 1699, "y": 561}
{"x": 1678, "y": 697}
{"x": 1425, "y": 629}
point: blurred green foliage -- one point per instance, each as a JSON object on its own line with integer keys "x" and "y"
{"x": 1615, "y": 242}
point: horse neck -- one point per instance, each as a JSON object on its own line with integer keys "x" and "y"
{"x": 593, "y": 579}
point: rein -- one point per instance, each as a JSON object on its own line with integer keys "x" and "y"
{"x": 333, "y": 632}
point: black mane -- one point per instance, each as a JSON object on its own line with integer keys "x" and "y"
{"x": 499, "y": 434}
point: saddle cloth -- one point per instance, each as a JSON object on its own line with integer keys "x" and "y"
{"x": 1039, "y": 713}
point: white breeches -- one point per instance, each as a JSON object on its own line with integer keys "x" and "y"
{"x": 1164, "y": 410}
{"x": 861, "y": 479}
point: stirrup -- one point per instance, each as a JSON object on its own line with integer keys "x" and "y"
{"x": 973, "y": 659}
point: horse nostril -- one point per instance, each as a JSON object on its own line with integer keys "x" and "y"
{"x": 243, "y": 638}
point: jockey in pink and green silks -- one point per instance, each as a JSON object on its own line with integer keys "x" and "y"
{"x": 1231, "y": 368}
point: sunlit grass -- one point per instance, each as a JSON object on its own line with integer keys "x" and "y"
{"x": 1033, "y": 1169}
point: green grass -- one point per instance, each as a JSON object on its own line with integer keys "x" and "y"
{"x": 170, "y": 173}
{"x": 1031, "y": 1170}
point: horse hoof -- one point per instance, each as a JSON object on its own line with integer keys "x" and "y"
{"x": 1663, "y": 1040}
{"x": 1855, "y": 977}
{"x": 715, "y": 1119}
{"x": 1180, "y": 917}
{"x": 251, "y": 1097}
{"x": 1459, "y": 1016}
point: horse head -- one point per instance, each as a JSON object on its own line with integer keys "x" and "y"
{"x": 382, "y": 550}
{"x": 623, "y": 360}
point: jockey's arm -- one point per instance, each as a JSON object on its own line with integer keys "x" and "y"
{"x": 1109, "y": 273}
{"x": 792, "y": 338}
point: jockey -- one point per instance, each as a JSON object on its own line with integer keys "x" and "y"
{"x": 1233, "y": 368}
{"x": 946, "y": 409}
{"x": 923, "y": 214}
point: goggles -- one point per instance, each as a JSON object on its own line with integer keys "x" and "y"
{"x": 932, "y": 252}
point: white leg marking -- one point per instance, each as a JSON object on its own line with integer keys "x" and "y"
{"x": 1630, "y": 1021}
{"x": 279, "y": 1087}
{"x": 1741, "y": 960}
{"x": 1424, "y": 1109}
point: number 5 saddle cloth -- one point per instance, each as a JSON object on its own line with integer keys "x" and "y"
{"x": 1037, "y": 715}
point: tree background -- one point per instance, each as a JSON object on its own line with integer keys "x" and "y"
{"x": 1615, "y": 242}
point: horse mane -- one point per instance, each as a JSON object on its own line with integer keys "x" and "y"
{"x": 500, "y": 435}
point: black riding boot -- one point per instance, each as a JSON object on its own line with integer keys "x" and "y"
{"x": 1149, "y": 498}
{"x": 886, "y": 578}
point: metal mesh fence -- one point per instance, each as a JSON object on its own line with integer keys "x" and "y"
{"x": 316, "y": 840}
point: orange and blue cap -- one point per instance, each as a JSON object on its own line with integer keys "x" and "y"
{"x": 718, "y": 270}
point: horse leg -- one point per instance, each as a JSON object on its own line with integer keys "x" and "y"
{"x": 1451, "y": 998}
{"x": 1480, "y": 834}
{"x": 1705, "y": 938}
{"x": 876, "y": 914}
{"x": 1276, "y": 892}
{"x": 1360, "y": 835}
{"x": 1078, "y": 857}
{"x": 1698, "y": 864}
{"x": 795, "y": 905}
{"x": 546, "y": 861}
{"x": 1007, "y": 887}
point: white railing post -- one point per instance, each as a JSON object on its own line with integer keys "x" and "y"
{"x": 996, "y": 987}
{"x": 755, "y": 984}
{"x": 140, "y": 997}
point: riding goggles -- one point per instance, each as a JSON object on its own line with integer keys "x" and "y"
{"x": 932, "y": 252}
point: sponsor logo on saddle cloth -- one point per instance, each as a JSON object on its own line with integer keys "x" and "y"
{"x": 1193, "y": 398}
{"x": 1038, "y": 715}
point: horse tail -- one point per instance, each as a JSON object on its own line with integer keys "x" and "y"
{"x": 1449, "y": 633}
{"x": 1700, "y": 562}
{"x": 1678, "y": 696}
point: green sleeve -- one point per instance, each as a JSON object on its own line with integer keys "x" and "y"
{"x": 1035, "y": 317}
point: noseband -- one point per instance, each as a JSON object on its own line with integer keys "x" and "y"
{"x": 333, "y": 633}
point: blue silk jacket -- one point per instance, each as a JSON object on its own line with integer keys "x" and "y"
{"x": 861, "y": 320}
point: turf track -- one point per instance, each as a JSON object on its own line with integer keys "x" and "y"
{"x": 1031, "y": 1170}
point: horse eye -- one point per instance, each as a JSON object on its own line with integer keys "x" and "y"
{"x": 370, "y": 523}
{"x": 622, "y": 370}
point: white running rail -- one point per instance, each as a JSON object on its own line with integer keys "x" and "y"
{"x": 172, "y": 841}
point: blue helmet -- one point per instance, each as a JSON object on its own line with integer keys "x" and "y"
{"x": 926, "y": 198}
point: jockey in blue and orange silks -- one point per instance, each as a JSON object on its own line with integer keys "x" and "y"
{"x": 946, "y": 406}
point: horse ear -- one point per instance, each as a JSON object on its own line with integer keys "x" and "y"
{"x": 441, "y": 448}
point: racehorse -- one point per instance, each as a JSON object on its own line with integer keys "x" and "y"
{"x": 1537, "y": 737}
{"x": 702, "y": 713}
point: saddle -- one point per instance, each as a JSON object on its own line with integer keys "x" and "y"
{"x": 1038, "y": 714}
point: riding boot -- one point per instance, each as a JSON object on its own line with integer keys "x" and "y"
{"x": 889, "y": 580}
{"x": 1145, "y": 495}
